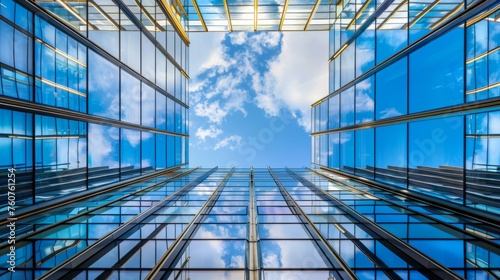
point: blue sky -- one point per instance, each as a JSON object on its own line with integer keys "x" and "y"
{"x": 250, "y": 97}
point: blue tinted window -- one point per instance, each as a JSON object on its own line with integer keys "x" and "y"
{"x": 103, "y": 87}
{"x": 130, "y": 98}
{"x": 169, "y": 156}
{"x": 130, "y": 156}
{"x": 333, "y": 111}
{"x": 365, "y": 51}
{"x": 435, "y": 159}
{"x": 391, "y": 93}
{"x": 161, "y": 151}
{"x": 436, "y": 73}
{"x": 365, "y": 152}
{"x": 323, "y": 109}
{"x": 347, "y": 151}
{"x": 443, "y": 251}
{"x": 161, "y": 111}
{"x": 170, "y": 114}
{"x": 148, "y": 161}
{"x": 347, "y": 107}
{"x": 333, "y": 158}
{"x": 148, "y": 111}
{"x": 45, "y": 31}
{"x": 390, "y": 154}
{"x": 323, "y": 150}
{"x": 7, "y": 9}
{"x": 7, "y": 44}
{"x": 104, "y": 152}
{"x": 390, "y": 41}
{"x": 365, "y": 104}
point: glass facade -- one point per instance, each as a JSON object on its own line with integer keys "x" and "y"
{"x": 94, "y": 133}
{"x": 414, "y": 98}
{"x": 94, "y": 97}
{"x": 251, "y": 224}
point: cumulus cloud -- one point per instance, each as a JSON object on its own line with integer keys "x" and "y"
{"x": 102, "y": 148}
{"x": 297, "y": 78}
{"x": 212, "y": 111}
{"x": 389, "y": 112}
{"x": 210, "y": 132}
{"x": 280, "y": 73}
{"x": 231, "y": 142}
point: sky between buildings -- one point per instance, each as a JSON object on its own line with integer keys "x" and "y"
{"x": 250, "y": 97}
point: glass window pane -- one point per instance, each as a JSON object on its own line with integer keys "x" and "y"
{"x": 440, "y": 64}
{"x": 365, "y": 152}
{"x": 391, "y": 92}
{"x": 104, "y": 153}
{"x": 436, "y": 156}
{"x": 130, "y": 98}
{"x": 347, "y": 107}
{"x": 347, "y": 151}
{"x": 148, "y": 100}
{"x": 391, "y": 145}
{"x": 365, "y": 103}
{"x": 291, "y": 254}
{"x": 130, "y": 153}
{"x": 103, "y": 87}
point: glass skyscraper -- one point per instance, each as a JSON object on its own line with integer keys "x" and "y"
{"x": 94, "y": 146}
{"x": 414, "y": 99}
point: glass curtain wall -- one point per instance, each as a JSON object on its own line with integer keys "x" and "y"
{"x": 413, "y": 97}
{"x": 102, "y": 91}
{"x": 275, "y": 223}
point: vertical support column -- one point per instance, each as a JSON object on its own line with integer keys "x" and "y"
{"x": 253, "y": 263}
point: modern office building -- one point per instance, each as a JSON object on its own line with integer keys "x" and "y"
{"x": 94, "y": 140}
{"x": 414, "y": 99}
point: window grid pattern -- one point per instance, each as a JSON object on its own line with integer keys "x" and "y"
{"x": 194, "y": 224}
{"x": 50, "y": 66}
{"x": 391, "y": 113}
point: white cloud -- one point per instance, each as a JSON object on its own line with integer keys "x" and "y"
{"x": 101, "y": 147}
{"x": 298, "y": 78}
{"x": 364, "y": 103}
{"x": 394, "y": 38}
{"x": 231, "y": 142}
{"x": 201, "y": 45}
{"x": 257, "y": 41}
{"x": 132, "y": 136}
{"x": 210, "y": 132}
{"x": 390, "y": 112}
{"x": 238, "y": 38}
{"x": 212, "y": 111}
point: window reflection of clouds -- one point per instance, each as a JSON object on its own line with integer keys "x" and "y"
{"x": 148, "y": 105}
{"x": 131, "y": 93}
{"x": 221, "y": 231}
{"x": 389, "y": 42}
{"x": 103, "y": 87}
{"x": 365, "y": 53}
{"x": 216, "y": 254}
{"x": 365, "y": 104}
{"x": 391, "y": 90}
{"x": 291, "y": 254}
{"x": 485, "y": 150}
{"x": 103, "y": 146}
